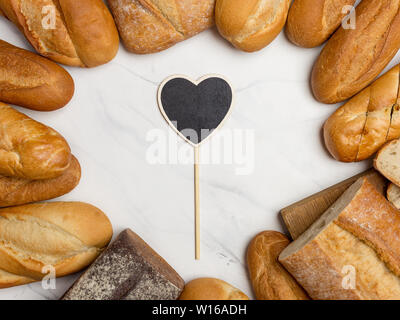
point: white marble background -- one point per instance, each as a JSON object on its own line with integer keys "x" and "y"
{"x": 113, "y": 110}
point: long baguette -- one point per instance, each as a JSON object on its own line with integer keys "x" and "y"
{"x": 29, "y": 149}
{"x": 83, "y": 34}
{"x": 365, "y": 123}
{"x": 65, "y": 236}
{"x": 31, "y": 81}
{"x": 148, "y": 26}
{"x": 352, "y": 58}
{"x": 310, "y": 23}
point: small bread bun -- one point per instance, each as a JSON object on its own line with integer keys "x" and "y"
{"x": 211, "y": 289}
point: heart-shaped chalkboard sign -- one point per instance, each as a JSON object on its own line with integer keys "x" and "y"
{"x": 194, "y": 109}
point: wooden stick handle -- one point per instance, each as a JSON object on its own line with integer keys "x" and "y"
{"x": 197, "y": 202}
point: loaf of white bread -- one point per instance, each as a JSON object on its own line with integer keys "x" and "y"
{"x": 352, "y": 251}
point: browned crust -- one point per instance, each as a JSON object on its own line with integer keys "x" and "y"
{"x": 145, "y": 28}
{"x": 76, "y": 220}
{"x": 85, "y": 35}
{"x": 365, "y": 123}
{"x": 310, "y": 23}
{"x": 15, "y": 191}
{"x": 31, "y": 81}
{"x": 352, "y": 58}
{"x": 249, "y": 27}
{"x": 269, "y": 279}
{"x": 211, "y": 289}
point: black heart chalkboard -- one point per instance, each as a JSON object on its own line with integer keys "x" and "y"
{"x": 195, "y": 108}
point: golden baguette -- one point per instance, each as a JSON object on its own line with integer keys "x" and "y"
{"x": 148, "y": 26}
{"x": 16, "y": 191}
{"x": 253, "y": 24}
{"x": 31, "y": 81}
{"x": 29, "y": 149}
{"x": 353, "y": 58}
{"x": 310, "y": 23}
{"x": 365, "y": 123}
{"x": 66, "y": 236}
{"x": 84, "y": 33}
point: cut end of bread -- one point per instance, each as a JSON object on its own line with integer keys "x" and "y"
{"x": 387, "y": 161}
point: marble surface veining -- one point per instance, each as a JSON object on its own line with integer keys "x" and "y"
{"x": 108, "y": 122}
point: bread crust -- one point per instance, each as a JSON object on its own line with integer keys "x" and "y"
{"x": 29, "y": 149}
{"x": 310, "y": 23}
{"x": 31, "y": 81}
{"x": 148, "y": 26}
{"x": 359, "y": 231}
{"x": 211, "y": 289}
{"x": 85, "y": 33}
{"x": 65, "y": 235}
{"x": 269, "y": 279}
{"x": 352, "y": 58}
{"x": 365, "y": 123}
{"x": 253, "y": 24}
{"x": 16, "y": 191}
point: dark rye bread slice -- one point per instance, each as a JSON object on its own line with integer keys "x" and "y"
{"x": 128, "y": 270}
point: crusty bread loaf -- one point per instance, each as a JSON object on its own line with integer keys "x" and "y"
{"x": 84, "y": 34}
{"x": 352, "y": 58}
{"x": 252, "y": 24}
{"x": 29, "y": 149}
{"x": 387, "y": 161}
{"x": 211, "y": 289}
{"x": 31, "y": 81}
{"x": 17, "y": 191}
{"x": 65, "y": 235}
{"x": 148, "y": 26}
{"x": 361, "y": 126}
{"x": 310, "y": 23}
{"x": 352, "y": 251}
{"x": 269, "y": 279}
{"x": 393, "y": 195}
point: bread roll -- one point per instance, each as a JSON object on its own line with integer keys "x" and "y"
{"x": 84, "y": 33}
{"x": 29, "y": 149}
{"x": 393, "y": 195}
{"x": 252, "y": 24}
{"x": 211, "y": 289}
{"x": 31, "y": 81}
{"x": 352, "y": 252}
{"x": 148, "y": 26}
{"x": 65, "y": 235}
{"x": 16, "y": 191}
{"x": 361, "y": 126}
{"x": 387, "y": 161}
{"x": 352, "y": 58}
{"x": 269, "y": 279}
{"x": 310, "y": 23}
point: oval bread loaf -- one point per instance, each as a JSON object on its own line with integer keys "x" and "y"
{"x": 310, "y": 23}
{"x": 31, "y": 81}
{"x": 211, "y": 289}
{"x": 16, "y": 191}
{"x": 67, "y": 236}
{"x": 252, "y": 24}
{"x": 148, "y": 26}
{"x": 29, "y": 149}
{"x": 84, "y": 33}
{"x": 269, "y": 279}
{"x": 352, "y": 58}
{"x": 365, "y": 123}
